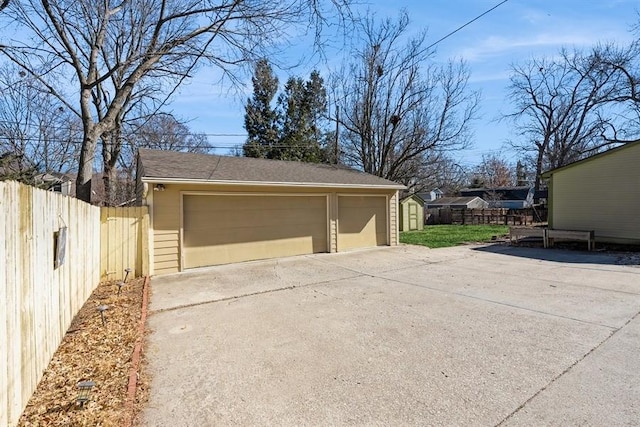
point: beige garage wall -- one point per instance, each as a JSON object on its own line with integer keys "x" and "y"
{"x": 602, "y": 194}
{"x": 165, "y": 211}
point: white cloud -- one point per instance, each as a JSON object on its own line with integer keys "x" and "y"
{"x": 486, "y": 77}
{"x": 524, "y": 45}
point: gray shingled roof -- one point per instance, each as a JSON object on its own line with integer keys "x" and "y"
{"x": 158, "y": 164}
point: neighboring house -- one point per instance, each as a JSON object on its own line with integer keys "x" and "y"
{"x": 56, "y": 182}
{"x": 411, "y": 213}
{"x": 431, "y": 195}
{"x": 599, "y": 193}
{"x": 540, "y": 197}
{"x": 503, "y": 197}
{"x": 208, "y": 210}
{"x": 98, "y": 197}
{"x": 472, "y": 202}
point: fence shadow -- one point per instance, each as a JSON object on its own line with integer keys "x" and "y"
{"x": 553, "y": 254}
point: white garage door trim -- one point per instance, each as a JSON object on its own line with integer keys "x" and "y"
{"x": 387, "y": 214}
{"x": 247, "y": 194}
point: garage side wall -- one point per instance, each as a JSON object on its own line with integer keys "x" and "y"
{"x": 602, "y": 194}
{"x": 394, "y": 236}
{"x": 166, "y": 216}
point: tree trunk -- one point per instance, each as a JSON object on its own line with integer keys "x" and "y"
{"x": 85, "y": 168}
{"x": 109, "y": 177}
{"x": 111, "y": 147}
{"x": 539, "y": 168}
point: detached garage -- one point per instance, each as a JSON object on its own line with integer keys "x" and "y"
{"x": 209, "y": 210}
{"x": 599, "y": 193}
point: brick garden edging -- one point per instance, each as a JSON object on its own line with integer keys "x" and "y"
{"x": 135, "y": 358}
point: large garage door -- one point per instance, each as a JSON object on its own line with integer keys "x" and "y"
{"x": 362, "y": 222}
{"x": 221, "y": 229}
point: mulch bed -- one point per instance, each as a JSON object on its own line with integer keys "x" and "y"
{"x": 96, "y": 352}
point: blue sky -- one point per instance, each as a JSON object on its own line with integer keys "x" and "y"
{"x": 514, "y": 32}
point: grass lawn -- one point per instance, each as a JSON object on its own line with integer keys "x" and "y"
{"x": 442, "y": 236}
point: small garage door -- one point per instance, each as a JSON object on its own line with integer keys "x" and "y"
{"x": 362, "y": 222}
{"x": 221, "y": 229}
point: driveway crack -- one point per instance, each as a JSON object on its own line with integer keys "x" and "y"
{"x": 249, "y": 294}
{"x": 566, "y": 371}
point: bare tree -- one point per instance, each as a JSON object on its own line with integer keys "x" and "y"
{"x": 161, "y": 131}
{"x": 439, "y": 170}
{"x": 493, "y": 172}
{"x": 36, "y": 131}
{"x": 569, "y": 107}
{"x": 396, "y": 106}
{"x": 108, "y": 49}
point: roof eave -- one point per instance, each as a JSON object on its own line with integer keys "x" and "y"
{"x": 157, "y": 180}
{"x": 548, "y": 174}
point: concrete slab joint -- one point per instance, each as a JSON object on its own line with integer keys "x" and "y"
{"x": 479, "y": 335}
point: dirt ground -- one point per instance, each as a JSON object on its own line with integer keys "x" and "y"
{"x": 92, "y": 351}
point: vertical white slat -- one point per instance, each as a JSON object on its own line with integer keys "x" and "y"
{"x": 34, "y": 285}
{"x": 96, "y": 240}
{"x": 27, "y": 327}
{"x": 104, "y": 254}
{"x": 49, "y": 285}
{"x": 5, "y": 200}
{"x": 62, "y": 274}
{"x": 15, "y": 382}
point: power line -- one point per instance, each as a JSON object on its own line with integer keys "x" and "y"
{"x": 468, "y": 23}
{"x": 37, "y": 128}
{"x": 172, "y": 146}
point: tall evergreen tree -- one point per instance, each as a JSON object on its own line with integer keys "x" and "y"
{"x": 294, "y": 130}
{"x": 260, "y": 119}
{"x": 302, "y": 105}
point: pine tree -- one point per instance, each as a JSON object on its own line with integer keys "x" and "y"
{"x": 302, "y": 105}
{"x": 260, "y": 119}
{"x": 294, "y": 130}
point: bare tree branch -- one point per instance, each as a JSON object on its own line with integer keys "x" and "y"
{"x": 397, "y": 107}
{"x": 574, "y": 105}
{"x": 114, "y": 51}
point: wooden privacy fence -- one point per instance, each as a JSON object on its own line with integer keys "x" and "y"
{"x": 54, "y": 250}
{"x": 49, "y": 265}
{"x": 485, "y": 216}
{"x": 124, "y": 242}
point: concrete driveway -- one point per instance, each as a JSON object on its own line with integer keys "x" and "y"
{"x": 482, "y": 336}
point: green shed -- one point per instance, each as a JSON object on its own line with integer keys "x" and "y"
{"x": 411, "y": 213}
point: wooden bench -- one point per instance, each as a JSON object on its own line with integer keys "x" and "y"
{"x": 516, "y": 233}
{"x": 552, "y": 234}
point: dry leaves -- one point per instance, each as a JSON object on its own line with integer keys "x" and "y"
{"x": 96, "y": 352}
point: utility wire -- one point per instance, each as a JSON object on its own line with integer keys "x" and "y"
{"x": 37, "y": 128}
{"x": 468, "y": 23}
{"x": 244, "y": 135}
